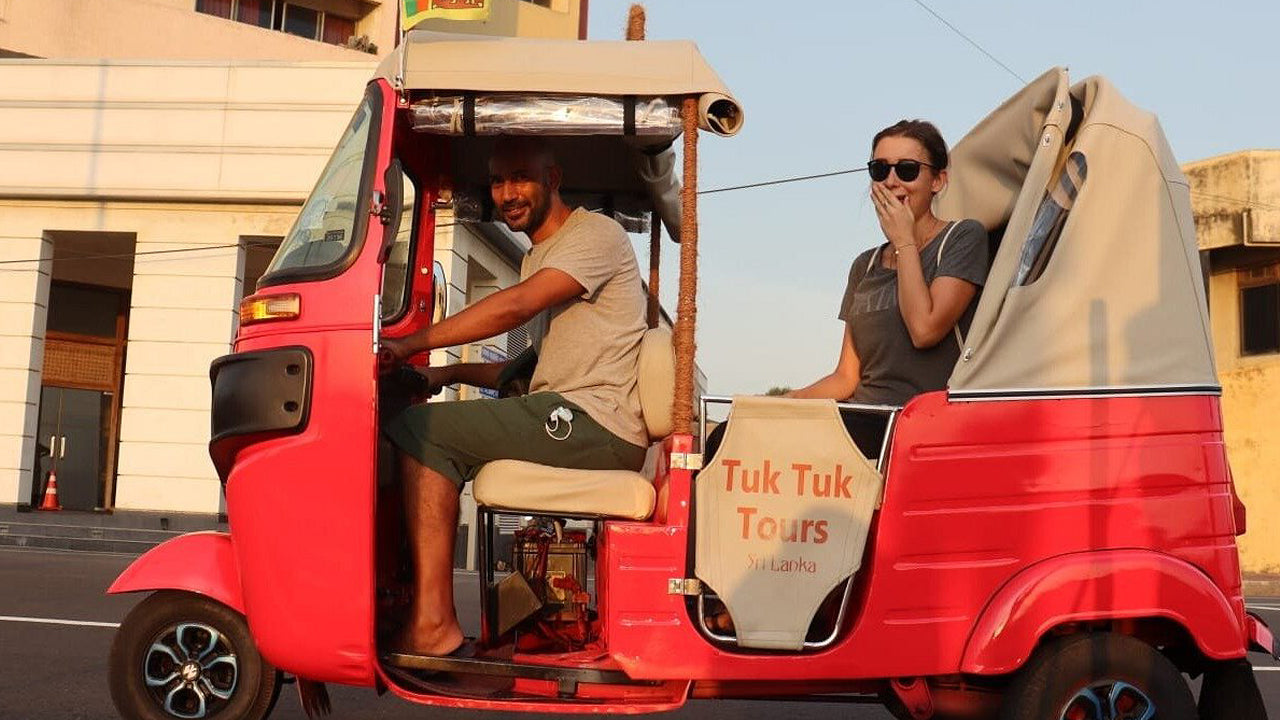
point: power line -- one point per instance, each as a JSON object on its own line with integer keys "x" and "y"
{"x": 252, "y": 244}
{"x": 1237, "y": 201}
{"x": 121, "y": 256}
{"x": 970, "y": 40}
{"x": 765, "y": 183}
{"x": 782, "y": 181}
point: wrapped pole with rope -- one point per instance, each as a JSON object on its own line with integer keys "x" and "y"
{"x": 687, "y": 304}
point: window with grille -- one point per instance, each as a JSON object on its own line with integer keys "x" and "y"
{"x": 518, "y": 340}
{"x": 288, "y": 17}
{"x": 1259, "y": 310}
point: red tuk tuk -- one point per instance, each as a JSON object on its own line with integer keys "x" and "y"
{"x": 1051, "y": 537}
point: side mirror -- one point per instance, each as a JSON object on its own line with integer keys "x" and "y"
{"x": 390, "y": 212}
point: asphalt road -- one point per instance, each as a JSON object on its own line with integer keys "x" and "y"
{"x": 56, "y": 627}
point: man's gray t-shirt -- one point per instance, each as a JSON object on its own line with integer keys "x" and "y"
{"x": 893, "y": 370}
{"x": 589, "y": 347}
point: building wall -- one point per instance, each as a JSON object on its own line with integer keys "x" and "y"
{"x": 519, "y": 18}
{"x": 196, "y": 157}
{"x": 24, "y": 294}
{"x": 208, "y": 131}
{"x": 207, "y": 163}
{"x": 127, "y": 29}
{"x": 1234, "y": 198}
{"x": 173, "y": 30}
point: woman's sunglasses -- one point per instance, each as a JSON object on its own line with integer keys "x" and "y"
{"x": 907, "y": 170}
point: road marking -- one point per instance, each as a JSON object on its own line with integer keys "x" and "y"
{"x": 56, "y": 621}
{"x": 94, "y": 623}
{"x": 1263, "y": 607}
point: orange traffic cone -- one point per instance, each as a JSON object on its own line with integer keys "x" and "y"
{"x": 50, "y": 501}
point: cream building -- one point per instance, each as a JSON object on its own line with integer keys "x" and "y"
{"x": 1236, "y": 200}
{"x": 152, "y": 155}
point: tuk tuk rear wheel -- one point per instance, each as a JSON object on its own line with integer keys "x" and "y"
{"x": 182, "y": 656}
{"x": 1098, "y": 676}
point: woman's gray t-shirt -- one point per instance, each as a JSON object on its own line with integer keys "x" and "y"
{"x": 892, "y": 369}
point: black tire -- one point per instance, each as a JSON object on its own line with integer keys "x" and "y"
{"x": 1229, "y": 691}
{"x": 171, "y": 633}
{"x": 1066, "y": 678}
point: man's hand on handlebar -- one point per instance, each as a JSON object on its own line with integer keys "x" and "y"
{"x": 392, "y": 353}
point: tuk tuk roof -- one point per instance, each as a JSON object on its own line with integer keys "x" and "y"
{"x": 444, "y": 61}
{"x": 1120, "y": 303}
{"x": 624, "y": 171}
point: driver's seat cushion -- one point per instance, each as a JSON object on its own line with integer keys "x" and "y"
{"x": 541, "y": 489}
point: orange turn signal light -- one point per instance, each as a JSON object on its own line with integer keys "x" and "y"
{"x": 263, "y": 308}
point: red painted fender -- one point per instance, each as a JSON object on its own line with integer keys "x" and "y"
{"x": 200, "y": 562}
{"x": 1103, "y": 585}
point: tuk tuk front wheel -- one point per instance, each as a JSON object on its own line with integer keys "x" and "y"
{"x": 1098, "y": 676}
{"x": 182, "y": 656}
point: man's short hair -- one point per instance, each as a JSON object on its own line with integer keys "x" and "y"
{"x": 535, "y": 147}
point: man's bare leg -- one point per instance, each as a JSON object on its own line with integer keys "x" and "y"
{"x": 431, "y": 511}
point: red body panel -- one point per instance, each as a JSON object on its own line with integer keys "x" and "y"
{"x": 301, "y": 507}
{"x": 977, "y": 492}
{"x": 1100, "y": 585}
{"x": 200, "y": 562}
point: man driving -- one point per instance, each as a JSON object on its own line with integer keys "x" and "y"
{"x": 580, "y": 285}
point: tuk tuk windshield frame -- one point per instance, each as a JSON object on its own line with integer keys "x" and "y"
{"x": 291, "y": 261}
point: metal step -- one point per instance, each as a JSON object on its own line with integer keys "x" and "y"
{"x": 92, "y": 532}
{"x": 78, "y": 544}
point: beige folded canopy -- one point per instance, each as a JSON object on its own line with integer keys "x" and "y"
{"x": 439, "y": 61}
{"x": 1104, "y": 293}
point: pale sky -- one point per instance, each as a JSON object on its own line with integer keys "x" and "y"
{"x": 817, "y": 80}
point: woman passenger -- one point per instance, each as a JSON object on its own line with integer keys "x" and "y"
{"x": 910, "y": 299}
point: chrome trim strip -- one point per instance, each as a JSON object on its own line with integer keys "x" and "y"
{"x": 808, "y": 644}
{"x": 1067, "y": 393}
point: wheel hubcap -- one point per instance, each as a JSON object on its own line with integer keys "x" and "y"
{"x": 190, "y": 670}
{"x": 1109, "y": 700}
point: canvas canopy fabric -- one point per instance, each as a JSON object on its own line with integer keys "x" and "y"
{"x": 438, "y": 61}
{"x": 783, "y": 509}
{"x": 1103, "y": 294}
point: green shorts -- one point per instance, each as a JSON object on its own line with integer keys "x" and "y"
{"x": 456, "y": 438}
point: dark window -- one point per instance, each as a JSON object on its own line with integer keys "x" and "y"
{"x": 1260, "y": 319}
{"x": 286, "y": 16}
{"x": 221, "y": 8}
{"x": 83, "y": 310}
{"x": 255, "y": 12}
{"x": 301, "y": 21}
{"x": 395, "y": 272}
{"x": 338, "y": 29}
{"x": 1051, "y": 216}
